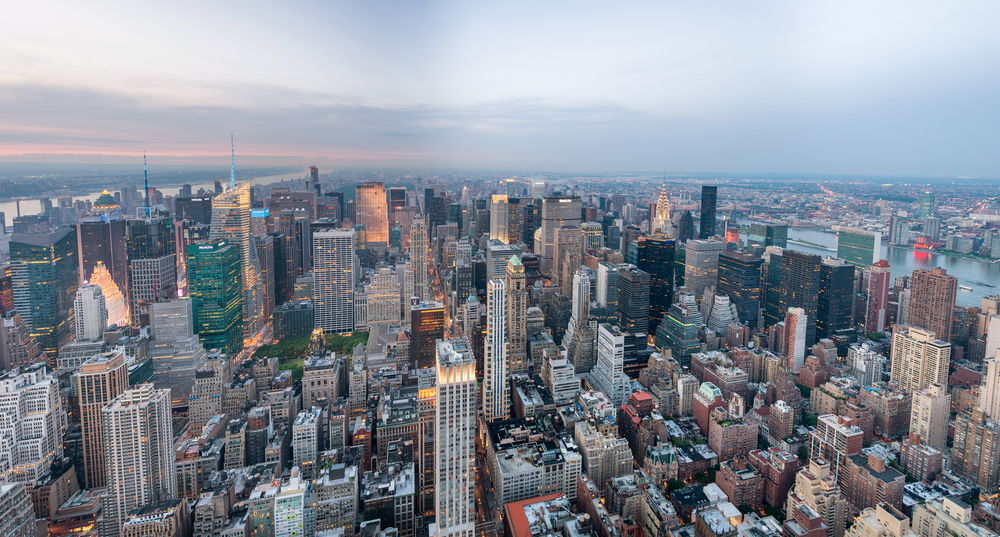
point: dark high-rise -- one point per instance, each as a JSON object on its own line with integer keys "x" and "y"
{"x": 151, "y": 245}
{"x": 709, "y": 195}
{"x": 426, "y": 327}
{"x": 655, "y": 255}
{"x": 194, "y": 209}
{"x": 633, "y": 300}
{"x": 101, "y": 239}
{"x": 768, "y": 235}
{"x": 771, "y": 293}
{"x": 685, "y": 227}
{"x": 45, "y": 279}
{"x": 284, "y": 274}
{"x": 836, "y": 297}
{"x": 397, "y": 197}
{"x": 739, "y": 277}
{"x": 434, "y": 209}
{"x": 800, "y": 285}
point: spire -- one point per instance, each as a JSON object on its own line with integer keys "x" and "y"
{"x": 145, "y": 178}
{"x": 232, "y": 164}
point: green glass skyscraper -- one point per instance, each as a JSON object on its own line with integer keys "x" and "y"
{"x": 44, "y": 270}
{"x": 858, "y": 247}
{"x": 216, "y": 290}
{"x": 926, "y": 205}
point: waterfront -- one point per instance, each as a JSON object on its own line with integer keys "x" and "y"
{"x": 34, "y": 206}
{"x": 972, "y": 273}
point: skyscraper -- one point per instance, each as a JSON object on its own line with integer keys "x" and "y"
{"x": 932, "y": 301}
{"x": 138, "y": 442}
{"x": 768, "y": 235}
{"x": 608, "y": 374}
{"x": 499, "y": 218}
{"x": 32, "y": 422}
{"x": 579, "y": 339}
{"x": 899, "y": 230}
{"x": 656, "y": 256}
{"x": 231, "y": 222}
{"x": 114, "y": 297}
{"x": 496, "y": 389}
{"x": 426, "y": 327}
{"x": 800, "y": 285}
{"x": 929, "y": 415}
{"x": 215, "y": 288}
{"x": 662, "y": 222}
{"x": 517, "y": 308}
{"x": 333, "y": 275}
{"x": 701, "y": 264}
{"x": 455, "y": 428}
{"x": 557, "y": 211}
{"x": 633, "y": 300}
{"x": 607, "y": 285}
{"x": 858, "y": 246}
{"x": 926, "y": 204}
{"x": 919, "y": 359}
{"x": 976, "y": 451}
{"x": 101, "y": 240}
{"x": 418, "y": 258}
{"x": 45, "y": 278}
{"x": 98, "y": 382}
{"x": 836, "y": 297}
{"x": 795, "y": 337}
{"x": 708, "y": 201}
{"x": 740, "y": 277}
{"x": 373, "y": 213}
{"x": 771, "y": 294}
{"x": 878, "y": 297}
{"x": 153, "y": 280}
{"x": 89, "y": 312}
{"x": 397, "y": 197}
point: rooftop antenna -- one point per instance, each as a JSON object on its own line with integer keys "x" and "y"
{"x": 145, "y": 179}
{"x": 232, "y": 164}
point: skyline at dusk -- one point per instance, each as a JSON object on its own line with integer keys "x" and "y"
{"x": 894, "y": 89}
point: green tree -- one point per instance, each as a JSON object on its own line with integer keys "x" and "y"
{"x": 675, "y": 484}
{"x": 803, "y": 453}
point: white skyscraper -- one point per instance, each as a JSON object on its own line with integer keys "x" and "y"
{"x": 579, "y": 338}
{"x": 90, "y": 313}
{"x": 455, "y": 468}
{"x": 418, "y": 258}
{"x": 496, "y": 390}
{"x": 333, "y": 277}
{"x": 795, "y": 337}
{"x": 138, "y": 439}
{"x": 499, "y": 218}
{"x": 607, "y": 285}
{"x": 989, "y": 394}
{"x": 32, "y": 422}
{"x": 608, "y": 375}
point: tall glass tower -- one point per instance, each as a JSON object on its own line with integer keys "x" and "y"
{"x": 214, "y": 280}
{"x": 45, "y": 279}
{"x": 231, "y": 222}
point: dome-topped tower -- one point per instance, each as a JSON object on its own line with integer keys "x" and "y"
{"x": 106, "y": 202}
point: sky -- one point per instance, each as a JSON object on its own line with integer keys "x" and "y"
{"x": 871, "y": 88}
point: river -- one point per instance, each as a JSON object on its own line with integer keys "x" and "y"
{"x": 970, "y": 272}
{"x": 34, "y": 206}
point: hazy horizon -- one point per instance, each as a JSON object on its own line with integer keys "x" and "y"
{"x": 903, "y": 90}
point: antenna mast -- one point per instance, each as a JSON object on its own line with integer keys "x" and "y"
{"x": 232, "y": 164}
{"x": 145, "y": 179}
